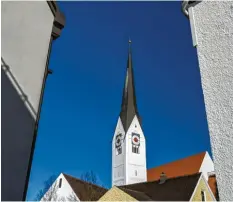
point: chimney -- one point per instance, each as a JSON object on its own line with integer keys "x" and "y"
{"x": 163, "y": 178}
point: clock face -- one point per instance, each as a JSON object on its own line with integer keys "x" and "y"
{"x": 118, "y": 140}
{"x": 136, "y": 139}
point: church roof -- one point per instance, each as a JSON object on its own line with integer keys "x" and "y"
{"x": 173, "y": 189}
{"x": 85, "y": 191}
{"x": 129, "y": 105}
{"x": 185, "y": 166}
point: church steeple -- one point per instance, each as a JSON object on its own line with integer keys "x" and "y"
{"x": 129, "y": 105}
{"x": 128, "y": 143}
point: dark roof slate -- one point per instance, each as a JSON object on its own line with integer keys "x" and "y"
{"x": 174, "y": 189}
{"x": 129, "y": 105}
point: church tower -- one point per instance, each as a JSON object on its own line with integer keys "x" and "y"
{"x": 128, "y": 144}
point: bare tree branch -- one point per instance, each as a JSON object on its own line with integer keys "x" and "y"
{"x": 72, "y": 197}
{"x": 48, "y": 192}
{"x": 92, "y": 190}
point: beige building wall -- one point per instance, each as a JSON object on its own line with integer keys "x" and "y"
{"x": 115, "y": 194}
{"x": 202, "y": 186}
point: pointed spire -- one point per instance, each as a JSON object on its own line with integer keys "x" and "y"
{"x": 129, "y": 105}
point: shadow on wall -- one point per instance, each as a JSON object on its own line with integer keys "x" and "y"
{"x": 17, "y": 137}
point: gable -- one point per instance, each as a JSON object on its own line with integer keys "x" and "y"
{"x": 207, "y": 166}
{"x": 60, "y": 190}
{"x": 115, "y": 194}
{"x": 202, "y": 185}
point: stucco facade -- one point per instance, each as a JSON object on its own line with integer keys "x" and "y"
{"x": 212, "y": 34}
{"x": 27, "y": 33}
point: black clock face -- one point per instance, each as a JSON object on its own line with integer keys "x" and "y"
{"x": 118, "y": 140}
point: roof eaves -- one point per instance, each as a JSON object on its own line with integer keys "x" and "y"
{"x": 186, "y": 4}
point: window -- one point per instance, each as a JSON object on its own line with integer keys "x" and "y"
{"x": 203, "y": 196}
{"x": 135, "y": 149}
{"x": 118, "y": 150}
{"x": 60, "y": 182}
{"x": 135, "y": 143}
{"x": 136, "y": 173}
{"x": 118, "y": 144}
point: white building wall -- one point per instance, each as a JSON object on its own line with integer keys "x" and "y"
{"x": 64, "y": 192}
{"x": 26, "y": 29}
{"x": 214, "y": 31}
{"x": 129, "y": 168}
{"x": 118, "y": 161}
{"x": 207, "y": 166}
{"x": 136, "y": 170}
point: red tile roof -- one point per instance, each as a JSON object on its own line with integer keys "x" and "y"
{"x": 185, "y": 166}
{"x": 213, "y": 185}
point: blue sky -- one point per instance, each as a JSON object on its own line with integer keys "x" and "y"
{"x": 83, "y": 95}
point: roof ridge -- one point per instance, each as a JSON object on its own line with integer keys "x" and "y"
{"x": 177, "y": 177}
{"x": 179, "y": 160}
{"x": 83, "y": 181}
{"x": 171, "y": 178}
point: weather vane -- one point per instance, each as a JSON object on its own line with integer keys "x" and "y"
{"x": 130, "y": 40}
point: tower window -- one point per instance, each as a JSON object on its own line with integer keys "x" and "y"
{"x": 135, "y": 149}
{"x": 60, "y": 182}
{"x": 135, "y": 143}
{"x": 118, "y": 144}
{"x": 203, "y": 196}
{"x": 136, "y": 173}
{"x": 118, "y": 150}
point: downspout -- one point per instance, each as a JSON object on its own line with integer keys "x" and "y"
{"x": 58, "y": 25}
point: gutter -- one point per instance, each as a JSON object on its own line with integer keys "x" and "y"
{"x": 186, "y": 4}
{"x": 58, "y": 25}
{"x": 188, "y": 10}
{"x": 184, "y": 8}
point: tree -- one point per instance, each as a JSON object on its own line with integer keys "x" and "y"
{"x": 92, "y": 188}
{"x": 72, "y": 197}
{"x": 49, "y": 191}
{"x": 89, "y": 177}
